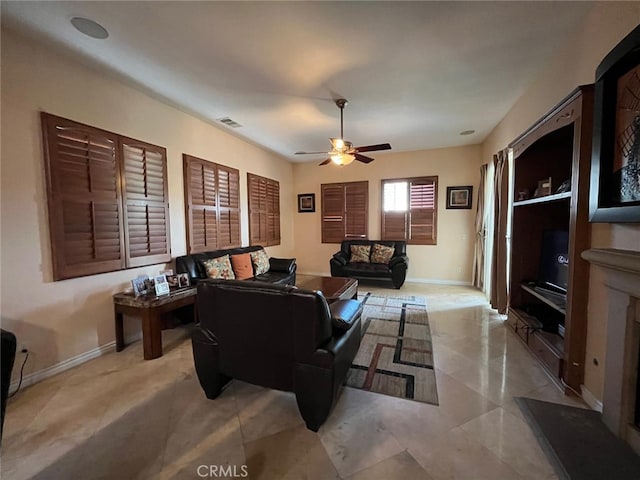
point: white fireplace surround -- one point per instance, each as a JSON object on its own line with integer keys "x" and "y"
{"x": 622, "y": 268}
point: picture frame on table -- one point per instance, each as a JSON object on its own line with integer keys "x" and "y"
{"x": 140, "y": 285}
{"x": 614, "y": 195}
{"x": 459, "y": 197}
{"x": 161, "y": 285}
{"x": 306, "y": 202}
{"x": 183, "y": 280}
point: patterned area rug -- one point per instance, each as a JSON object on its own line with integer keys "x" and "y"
{"x": 395, "y": 356}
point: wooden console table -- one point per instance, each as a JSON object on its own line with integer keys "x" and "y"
{"x": 150, "y": 309}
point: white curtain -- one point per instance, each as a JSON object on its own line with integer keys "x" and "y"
{"x": 481, "y": 232}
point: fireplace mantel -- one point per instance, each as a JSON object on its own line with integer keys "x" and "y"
{"x": 623, "y": 260}
{"x": 622, "y": 269}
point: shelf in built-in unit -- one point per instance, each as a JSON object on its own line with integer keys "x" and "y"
{"x": 555, "y": 301}
{"x": 547, "y": 198}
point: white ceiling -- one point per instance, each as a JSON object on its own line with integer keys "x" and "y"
{"x": 416, "y": 74}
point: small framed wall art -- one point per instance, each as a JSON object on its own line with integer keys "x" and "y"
{"x": 459, "y": 197}
{"x": 306, "y": 202}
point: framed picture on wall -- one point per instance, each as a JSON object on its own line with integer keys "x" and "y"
{"x": 306, "y": 202}
{"x": 459, "y": 197}
{"x": 615, "y": 167}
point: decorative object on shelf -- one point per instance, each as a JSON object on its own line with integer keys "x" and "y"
{"x": 564, "y": 187}
{"x": 459, "y": 197}
{"x": 615, "y": 166}
{"x": 544, "y": 188}
{"x": 523, "y": 194}
{"x": 306, "y": 202}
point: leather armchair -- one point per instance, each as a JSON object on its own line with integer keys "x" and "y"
{"x": 276, "y": 336}
{"x": 395, "y": 270}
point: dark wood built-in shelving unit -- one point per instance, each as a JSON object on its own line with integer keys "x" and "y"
{"x": 552, "y": 325}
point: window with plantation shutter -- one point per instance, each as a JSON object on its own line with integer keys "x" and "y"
{"x": 344, "y": 211}
{"x": 107, "y": 200}
{"x": 146, "y": 206}
{"x": 409, "y": 210}
{"x": 212, "y": 202}
{"x": 264, "y": 210}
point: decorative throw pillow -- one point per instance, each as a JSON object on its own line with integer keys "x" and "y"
{"x": 360, "y": 253}
{"x": 381, "y": 253}
{"x": 260, "y": 261}
{"x": 219, "y": 268}
{"x": 242, "y": 266}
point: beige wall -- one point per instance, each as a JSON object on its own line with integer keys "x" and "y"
{"x": 575, "y": 65}
{"x": 449, "y": 261}
{"x": 59, "y": 320}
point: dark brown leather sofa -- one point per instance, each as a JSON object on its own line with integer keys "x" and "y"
{"x": 278, "y": 337}
{"x": 395, "y": 270}
{"x": 281, "y": 270}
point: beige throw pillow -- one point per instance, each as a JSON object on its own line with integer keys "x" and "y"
{"x": 219, "y": 268}
{"x": 381, "y": 253}
{"x": 360, "y": 253}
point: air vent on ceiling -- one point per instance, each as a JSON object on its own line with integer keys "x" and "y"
{"x": 229, "y": 123}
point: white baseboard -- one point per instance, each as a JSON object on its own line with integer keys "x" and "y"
{"x": 40, "y": 375}
{"x": 434, "y": 281}
{"x": 590, "y": 399}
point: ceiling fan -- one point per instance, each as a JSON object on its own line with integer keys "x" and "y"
{"x": 342, "y": 151}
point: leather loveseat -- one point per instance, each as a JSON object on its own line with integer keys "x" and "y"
{"x": 395, "y": 270}
{"x": 278, "y": 337}
{"x": 281, "y": 270}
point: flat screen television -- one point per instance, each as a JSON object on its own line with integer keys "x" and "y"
{"x": 554, "y": 260}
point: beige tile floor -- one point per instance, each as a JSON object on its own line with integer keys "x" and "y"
{"x": 119, "y": 417}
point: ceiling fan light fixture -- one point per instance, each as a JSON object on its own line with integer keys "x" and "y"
{"x": 342, "y": 158}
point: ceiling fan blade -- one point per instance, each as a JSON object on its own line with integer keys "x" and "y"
{"x": 326, "y": 162}
{"x": 363, "y": 158}
{"x": 373, "y": 148}
{"x": 309, "y": 153}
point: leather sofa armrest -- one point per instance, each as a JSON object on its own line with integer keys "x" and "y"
{"x": 339, "y": 258}
{"x": 398, "y": 260}
{"x": 287, "y": 265}
{"x": 344, "y": 313}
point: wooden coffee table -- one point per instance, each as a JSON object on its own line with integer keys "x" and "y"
{"x": 333, "y": 288}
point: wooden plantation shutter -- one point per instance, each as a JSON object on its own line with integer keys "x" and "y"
{"x": 273, "y": 212}
{"x": 85, "y": 211}
{"x": 423, "y": 210}
{"x": 228, "y": 206}
{"x": 200, "y": 203}
{"x": 344, "y": 211}
{"x": 409, "y": 210}
{"x": 212, "y": 202}
{"x": 264, "y": 210}
{"x": 146, "y": 203}
{"x": 107, "y": 198}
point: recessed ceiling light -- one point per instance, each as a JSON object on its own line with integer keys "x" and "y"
{"x": 467, "y": 132}
{"x": 89, "y": 28}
